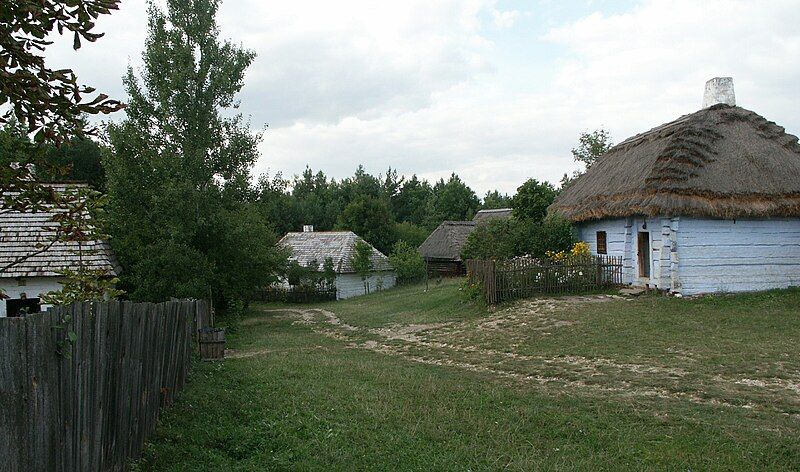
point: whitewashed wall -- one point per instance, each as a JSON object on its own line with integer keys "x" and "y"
{"x": 34, "y": 287}
{"x": 351, "y": 285}
{"x": 738, "y": 256}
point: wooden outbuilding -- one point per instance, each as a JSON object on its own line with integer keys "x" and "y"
{"x": 442, "y": 249}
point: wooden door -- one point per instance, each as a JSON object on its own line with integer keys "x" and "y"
{"x": 644, "y": 254}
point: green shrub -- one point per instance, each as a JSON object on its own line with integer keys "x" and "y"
{"x": 493, "y": 240}
{"x": 407, "y": 262}
{"x": 472, "y": 292}
{"x": 505, "y": 239}
{"x": 412, "y": 234}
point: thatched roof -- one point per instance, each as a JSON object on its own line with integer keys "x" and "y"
{"x": 27, "y": 244}
{"x": 338, "y": 245}
{"x": 447, "y": 240}
{"x": 484, "y": 216}
{"x": 720, "y": 162}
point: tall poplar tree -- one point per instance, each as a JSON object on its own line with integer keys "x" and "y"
{"x": 182, "y": 221}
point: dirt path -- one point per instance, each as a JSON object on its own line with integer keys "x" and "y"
{"x": 448, "y": 344}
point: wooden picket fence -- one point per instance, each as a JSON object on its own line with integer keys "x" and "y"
{"x": 89, "y": 406}
{"x": 502, "y": 281}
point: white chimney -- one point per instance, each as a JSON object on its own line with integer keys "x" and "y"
{"x": 719, "y": 90}
{"x": 308, "y": 228}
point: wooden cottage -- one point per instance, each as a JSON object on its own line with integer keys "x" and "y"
{"x": 31, "y": 260}
{"x": 709, "y": 202}
{"x": 442, "y": 249}
{"x": 311, "y": 247}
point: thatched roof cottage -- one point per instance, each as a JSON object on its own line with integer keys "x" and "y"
{"x": 314, "y": 247}
{"x": 707, "y": 203}
{"x": 442, "y": 249}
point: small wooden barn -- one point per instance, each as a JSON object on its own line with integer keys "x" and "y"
{"x": 31, "y": 259}
{"x": 314, "y": 247}
{"x": 442, "y": 249}
{"x": 709, "y": 202}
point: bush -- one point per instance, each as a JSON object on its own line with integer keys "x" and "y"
{"x": 472, "y": 292}
{"x": 504, "y": 239}
{"x": 407, "y": 262}
{"x": 493, "y": 240}
{"x": 410, "y": 233}
{"x": 536, "y": 238}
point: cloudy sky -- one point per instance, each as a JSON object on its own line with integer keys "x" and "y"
{"x": 496, "y": 91}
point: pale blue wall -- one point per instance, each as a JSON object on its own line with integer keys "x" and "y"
{"x": 615, "y": 235}
{"x": 692, "y": 255}
{"x": 737, "y": 256}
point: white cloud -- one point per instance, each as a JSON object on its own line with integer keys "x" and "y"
{"x": 505, "y": 19}
{"x": 424, "y": 87}
{"x": 626, "y": 72}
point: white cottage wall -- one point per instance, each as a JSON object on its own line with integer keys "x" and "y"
{"x": 738, "y": 255}
{"x": 34, "y": 287}
{"x": 351, "y": 285}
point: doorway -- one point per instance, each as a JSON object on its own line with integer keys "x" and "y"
{"x": 644, "y": 254}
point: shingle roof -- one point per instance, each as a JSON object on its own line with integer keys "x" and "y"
{"x": 338, "y": 245}
{"x": 720, "y": 162}
{"x": 26, "y": 234}
{"x": 447, "y": 240}
{"x": 492, "y": 214}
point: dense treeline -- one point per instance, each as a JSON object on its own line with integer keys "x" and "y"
{"x": 383, "y": 209}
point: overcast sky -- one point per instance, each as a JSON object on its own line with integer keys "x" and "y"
{"x": 496, "y": 91}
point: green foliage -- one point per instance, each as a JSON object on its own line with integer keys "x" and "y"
{"x": 472, "y": 292}
{"x": 184, "y": 219}
{"x": 49, "y": 103}
{"x": 507, "y": 238}
{"x": 411, "y": 202}
{"x": 591, "y": 146}
{"x": 362, "y": 261}
{"x": 532, "y": 199}
{"x": 329, "y": 273}
{"x": 371, "y": 219}
{"x": 451, "y": 200}
{"x": 494, "y": 200}
{"x": 410, "y": 233}
{"x": 496, "y": 239}
{"x": 407, "y": 263}
{"x": 80, "y": 159}
{"x": 233, "y": 314}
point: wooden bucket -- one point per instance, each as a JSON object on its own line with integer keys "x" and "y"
{"x": 212, "y": 344}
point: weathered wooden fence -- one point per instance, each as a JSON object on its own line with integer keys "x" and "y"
{"x": 519, "y": 278}
{"x": 295, "y": 295}
{"x": 91, "y": 407}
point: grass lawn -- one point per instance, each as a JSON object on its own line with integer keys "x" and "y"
{"x": 410, "y": 379}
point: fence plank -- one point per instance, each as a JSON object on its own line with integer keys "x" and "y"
{"x": 13, "y": 393}
{"x": 42, "y": 404}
